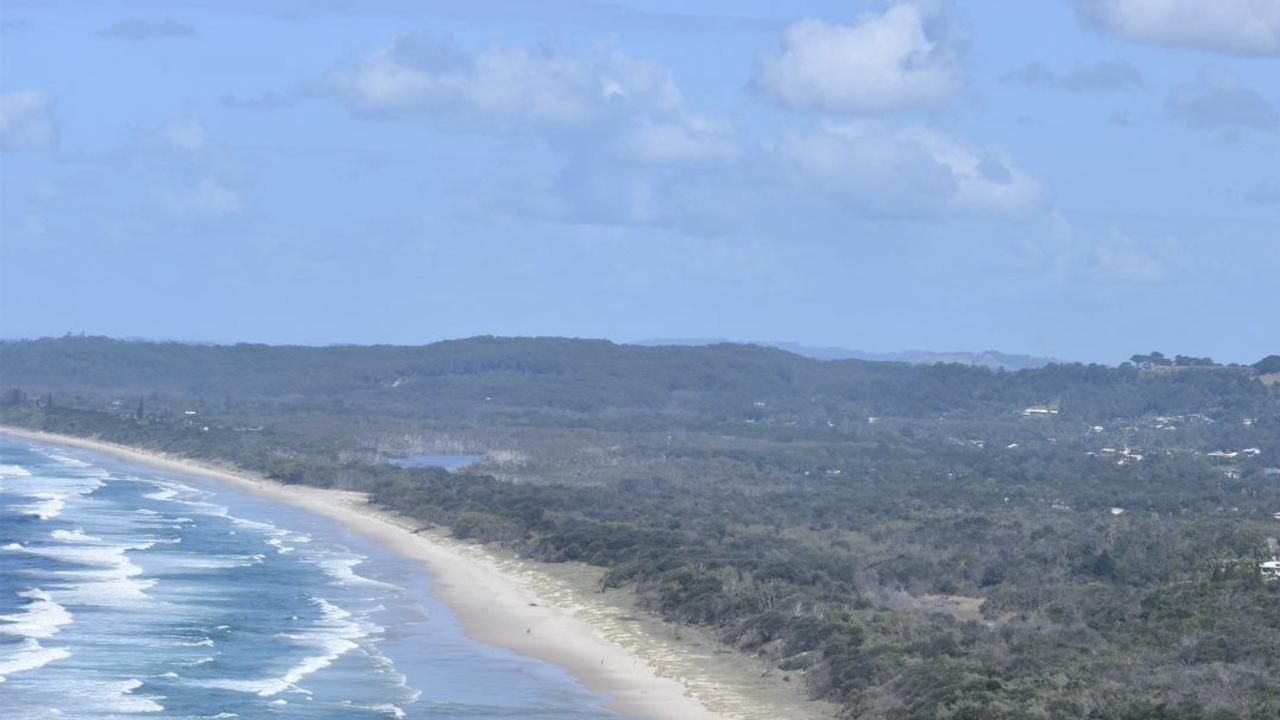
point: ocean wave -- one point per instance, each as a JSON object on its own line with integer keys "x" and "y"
{"x": 198, "y": 661}
{"x": 334, "y": 635}
{"x": 205, "y": 642}
{"x": 184, "y": 563}
{"x": 108, "y": 696}
{"x": 73, "y": 536}
{"x": 393, "y": 710}
{"x": 204, "y": 508}
{"x": 112, "y": 582}
{"x": 168, "y": 490}
{"x": 41, "y": 617}
{"x": 67, "y": 461}
{"x": 130, "y": 703}
{"x": 52, "y": 494}
{"x": 342, "y": 569}
{"x": 14, "y": 471}
{"x": 258, "y": 525}
{"x": 30, "y": 655}
{"x": 50, "y": 506}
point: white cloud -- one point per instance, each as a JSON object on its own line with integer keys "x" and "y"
{"x": 1119, "y": 257}
{"x": 882, "y": 62}
{"x": 207, "y": 199}
{"x": 1216, "y": 100}
{"x": 1239, "y": 27}
{"x": 501, "y": 89}
{"x": 185, "y": 137}
{"x": 906, "y": 171}
{"x": 682, "y": 141}
{"x": 27, "y": 121}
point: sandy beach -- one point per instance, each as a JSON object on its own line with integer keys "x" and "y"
{"x": 646, "y": 668}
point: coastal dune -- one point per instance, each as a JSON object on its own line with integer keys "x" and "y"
{"x": 515, "y": 605}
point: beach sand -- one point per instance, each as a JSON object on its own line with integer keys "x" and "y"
{"x": 648, "y": 669}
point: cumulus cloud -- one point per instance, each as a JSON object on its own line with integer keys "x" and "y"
{"x": 679, "y": 141}
{"x": 1216, "y": 100}
{"x": 502, "y": 89}
{"x": 1117, "y": 256}
{"x": 1238, "y": 27}
{"x": 906, "y": 171}
{"x": 187, "y": 138}
{"x": 140, "y": 30}
{"x": 27, "y": 121}
{"x": 900, "y": 59}
{"x": 1098, "y": 77}
{"x": 208, "y": 198}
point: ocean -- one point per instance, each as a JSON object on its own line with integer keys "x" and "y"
{"x": 132, "y": 592}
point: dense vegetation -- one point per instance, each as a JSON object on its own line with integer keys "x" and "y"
{"x": 909, "y": 541}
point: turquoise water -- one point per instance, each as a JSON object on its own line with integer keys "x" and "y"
{"x": 130, "y": 592}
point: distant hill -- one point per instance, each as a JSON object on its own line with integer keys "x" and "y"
{"x": 542, "y": 381}
{"x": 987, "y": 358}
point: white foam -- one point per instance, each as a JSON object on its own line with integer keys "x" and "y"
{"x": 14, "y": 471}
{"x": 40, "y": 618}
{"x": 342, "y": 569}
{"x": 50, "y": 505}
{"x": 67, "y": 461}
{"x": 245, "y": 522}
{"x": 30, "y": 655}
{"x": 333, "y": 636}
{"x": 52, "y": 494}
{"x": 167, "y": 490}
{"x": 182, "y": 563}
{"x": 131, "y": 703}
{"x": 73, "y": 536}
{"x": 111, "y": 697}
{"x": 113, "y": 582}
{"x": 392, "y": 710}
{"x": 204, "y": 508}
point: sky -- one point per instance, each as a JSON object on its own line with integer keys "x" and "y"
{"x": 1080, "y": 179}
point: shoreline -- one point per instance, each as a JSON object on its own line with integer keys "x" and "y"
{"x": 512, "y": 604}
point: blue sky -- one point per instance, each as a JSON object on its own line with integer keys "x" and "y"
{"x": 1082, "y": 179}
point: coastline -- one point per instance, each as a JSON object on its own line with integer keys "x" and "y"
{"x": 531, "y": 610}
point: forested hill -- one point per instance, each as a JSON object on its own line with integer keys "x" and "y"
{"x": 561, "y": 380}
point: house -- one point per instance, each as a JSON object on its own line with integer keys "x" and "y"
{"x": 1271, "y": 472}
{"x": 1271, "y": 569}
{"x": 1040, "y": 410}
